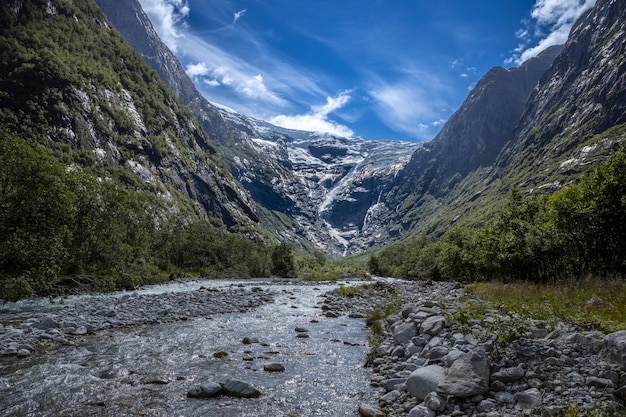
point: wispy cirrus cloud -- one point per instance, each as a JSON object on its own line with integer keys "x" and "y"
{"x": 256, "y": 80}
{"x": 245, "y": 84}
{"x": 238, "y": 15}
{"x": 166, "y": 16}
{"x": 549, "y": 24}
{"x": 413, "y": 104}
{"x": 317, "y": 119}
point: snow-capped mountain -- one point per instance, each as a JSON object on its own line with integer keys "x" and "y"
{"x": 335, "y": 183}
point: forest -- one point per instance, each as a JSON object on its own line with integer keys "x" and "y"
{"x": 64, "y": 229}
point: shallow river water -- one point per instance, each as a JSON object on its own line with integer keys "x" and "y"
{"x": 147, "y": 370}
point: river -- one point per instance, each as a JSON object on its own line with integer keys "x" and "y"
{"x": 147, "y": 370}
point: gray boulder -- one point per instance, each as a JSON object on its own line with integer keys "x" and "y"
{"x": 236, "y": 388}
{"x": 273, "y": 367}
{"x": 425, "y": 380}
{"x": 421, "y": 410}
{"x": 369, "y": 411}
{"x": 435, "y": 402}
{"x": 508, "y": 374}
{"x": 528, "y": 400}
{"x": 210, "y": 390}
{"x": 433, "y": 325}
{"x": 46, "y": 323}
{"x": 591, "y": 341}
{"x": 392, "y": 383}
{"x": 403, "y": 333}
{"x": 468, "y": 376}
{"x": 614, "y": 348}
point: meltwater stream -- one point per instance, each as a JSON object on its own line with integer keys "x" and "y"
{"x": 147, "y": 370}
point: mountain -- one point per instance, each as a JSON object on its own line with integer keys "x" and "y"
{"x": 344, "y": 195}
{"x": 73, "y": 87}
{"x": 469, "y": 141}
{"x": 536, "y": 127}
{"x": 310, "y": 190}
{"x": 332, "y": 186}
{"x": 582, "y": 96}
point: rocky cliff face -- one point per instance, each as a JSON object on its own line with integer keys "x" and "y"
{"x": 581, "y": 96}
{"x": 469, "y": 141}
{"x": 474, "y": 136}
{"x": 509, "y": 134}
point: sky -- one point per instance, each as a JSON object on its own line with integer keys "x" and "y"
{"x": 376, "y": 69}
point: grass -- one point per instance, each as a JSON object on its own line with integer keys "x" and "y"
{"x": 591, "y": 304}
{"x": 374, "y": 322}
{"x": 351, "y": 291}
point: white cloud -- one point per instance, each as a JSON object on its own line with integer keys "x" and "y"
{"x": 411, "y": 105}
{"x": 197, "y": 70}
{"x": 165, "y": 16}
{"x": 238, "y": 15}
{"x": 550, "y": 24}
{"x": 255, "y": 88}
{"x": 317, "y": 119}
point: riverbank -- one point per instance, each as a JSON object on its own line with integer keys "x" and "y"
{"x": 441, "y": 355}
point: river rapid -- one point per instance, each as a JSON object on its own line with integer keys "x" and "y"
{"x": 147, "y": 369}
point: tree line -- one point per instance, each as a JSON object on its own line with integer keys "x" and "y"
{"x": 575, "y": 232}
{"x": 64, "y": 228}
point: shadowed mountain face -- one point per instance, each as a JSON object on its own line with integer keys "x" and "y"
{"x": 477, "y": 132}
{"x": 72, "y": 86}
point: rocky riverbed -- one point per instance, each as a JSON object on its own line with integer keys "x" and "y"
{"x": 223, "y": 348}
{"x": 63, "y": 324}
{"x": 437, "y": 359}
{"x": 299, "y": 349}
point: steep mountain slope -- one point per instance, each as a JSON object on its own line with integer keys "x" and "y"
{"x": 470, "y": 140}
{"x": 580, "y": 97}
{"x": 476, "y": 133}
{"x": 310, "y": 190}
{"x": 571, "y": 120}
{"x": 71, "y": 85}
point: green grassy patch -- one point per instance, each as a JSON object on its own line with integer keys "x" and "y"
{"x": 374, "y": 322}
{"x": 591, "y": 304}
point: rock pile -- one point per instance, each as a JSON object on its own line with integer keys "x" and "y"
{"x": 428, "y": 364}
{"x": 128, "y": 310}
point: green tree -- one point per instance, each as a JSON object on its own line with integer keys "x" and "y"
{"x": 458, "y": 257}
{"x": 36, "y": 208}
{"x": 283, "y": 263}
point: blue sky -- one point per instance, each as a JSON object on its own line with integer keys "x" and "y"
{"x": 377, "y": 69}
